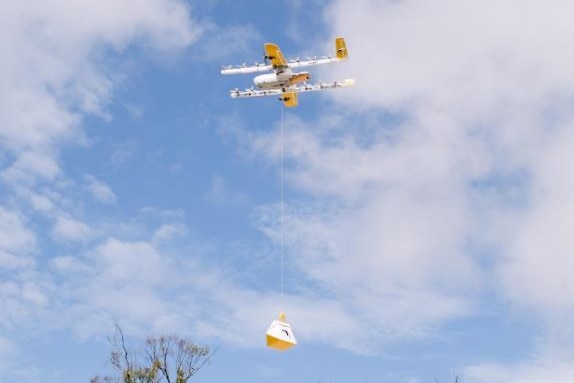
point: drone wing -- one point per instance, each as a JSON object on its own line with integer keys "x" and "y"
{"x": 289, "y": 97}
{"x": 244, "y": 69}
{"x": 279, "y": 64}
{"x": 274, "y": 55}
{"x": 276, "y": 59}
{"x": 341, "y": 54}
{"x": 322, "y": 86}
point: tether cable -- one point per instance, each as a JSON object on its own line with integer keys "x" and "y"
{"x": 281, "y": 210}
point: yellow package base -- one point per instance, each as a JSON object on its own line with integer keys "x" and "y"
{"x": 279, "y": 335}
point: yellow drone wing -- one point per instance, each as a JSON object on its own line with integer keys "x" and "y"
{"x": 273, "y": 53}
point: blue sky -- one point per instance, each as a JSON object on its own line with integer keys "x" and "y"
{"x": 428, "y": 210}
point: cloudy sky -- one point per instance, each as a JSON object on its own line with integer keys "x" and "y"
{"x": 429, "y": 210}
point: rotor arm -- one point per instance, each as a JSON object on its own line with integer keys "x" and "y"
{"x": 236, "y": 93}
{"x": 243, "y": 69}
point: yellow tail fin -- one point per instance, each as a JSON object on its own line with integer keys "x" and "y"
{"x": 289, "y": 99}
{"x": 341, "y": 48}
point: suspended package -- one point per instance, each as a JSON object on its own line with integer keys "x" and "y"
{"x": 279, "y": 334}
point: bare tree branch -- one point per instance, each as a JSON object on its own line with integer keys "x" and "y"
{"x": 164, "y": 359}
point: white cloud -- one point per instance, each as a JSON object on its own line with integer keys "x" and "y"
{"x": 12, "y": 261}
{"x": 67, "y": 264}
{"x": 56, "y": 66}
{"x": 116, "y": 280}
{"x": 481, "y": 56}
{"x": 130, "y": 261}
{"x": 67, "y": 228}
{"x": 29, "y": 167}
{"x": 222, "y": 194}
{"x": 25, "y": 299}
{"x": 7, "y": 350}
{"x": 168, "y": 232}
{"x": 226, "y": 42}
{"x": 33, "y": 293}
{"x": 541, "y": 252}
{"x": 101, "y": 191}
{"x": 16, "y": 239}
{"x": 53, "y": 69}
{"x": 479, "y": 98}
{"x": 56, "y": 61}
{"x": 41, "y": 202}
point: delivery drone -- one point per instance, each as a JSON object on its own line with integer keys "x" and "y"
{"x": 284, "y": 81}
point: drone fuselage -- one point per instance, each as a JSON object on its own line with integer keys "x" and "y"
{"x": 280, "y": 80}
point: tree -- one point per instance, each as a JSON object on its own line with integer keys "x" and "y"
{"x": 163, "y": 359}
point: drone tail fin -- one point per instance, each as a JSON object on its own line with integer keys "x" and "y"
{"x": 341, "y": 48}
{"x": 289, "y": 99}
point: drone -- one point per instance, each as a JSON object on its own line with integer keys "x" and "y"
{"x": 284, "y": 81}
